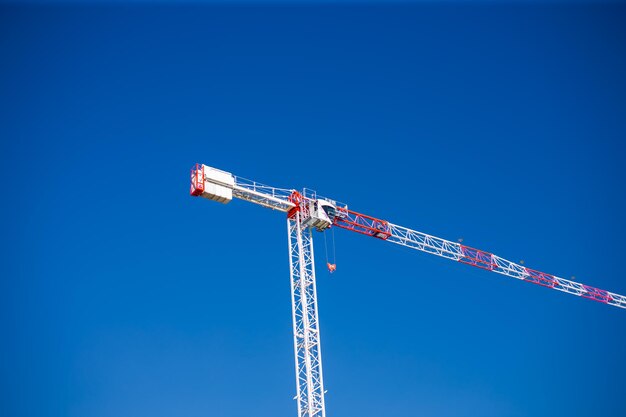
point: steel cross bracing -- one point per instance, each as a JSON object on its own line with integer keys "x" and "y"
{"x": 485, "y": 260}
{"x": 306, "y": 334}
{"x": 426, "y": 243}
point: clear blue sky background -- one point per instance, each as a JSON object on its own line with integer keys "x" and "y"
{"x": 503, "y": 124}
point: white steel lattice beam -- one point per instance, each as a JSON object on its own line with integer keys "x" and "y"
{"x": 306, "y": 335}
{"x": 382, "y": 229}
{"x": 485, "y": 260}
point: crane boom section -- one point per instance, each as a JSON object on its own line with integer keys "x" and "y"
{"x": 264, "y": 195}
{"x": 222, "y": 186}
{"x": 382, "y": 229}
{"x": 485, "y": 260}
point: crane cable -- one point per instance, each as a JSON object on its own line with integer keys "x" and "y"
{"x": 334, "y": 253}
{"x": 331, "y": 266}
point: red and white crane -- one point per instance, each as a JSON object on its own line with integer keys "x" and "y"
{"x": 306, "y": 211}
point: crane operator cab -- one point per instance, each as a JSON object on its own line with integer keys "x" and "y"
{"x": 319, "y": 214}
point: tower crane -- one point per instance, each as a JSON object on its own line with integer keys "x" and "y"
{"x": 307, "y": 211}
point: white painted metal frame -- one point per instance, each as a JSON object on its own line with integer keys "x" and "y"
{"x": 264, "y": 195}
{"x": 452, "y": 250}
{"x": 306, "y": 334}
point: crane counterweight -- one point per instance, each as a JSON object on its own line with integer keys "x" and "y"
{"x": 212, "y": 183}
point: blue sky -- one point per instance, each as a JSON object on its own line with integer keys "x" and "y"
{"x": 499, "y": 124}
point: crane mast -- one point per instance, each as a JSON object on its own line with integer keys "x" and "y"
{"x": 307, "y": 211}
{"x": 306, "y": 333}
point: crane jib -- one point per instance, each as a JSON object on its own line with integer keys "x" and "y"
{"x": 361, "y": 223}
{"x": 222, "y": 186}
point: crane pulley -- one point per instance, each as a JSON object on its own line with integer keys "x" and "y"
{"x": 306, "y": 211}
